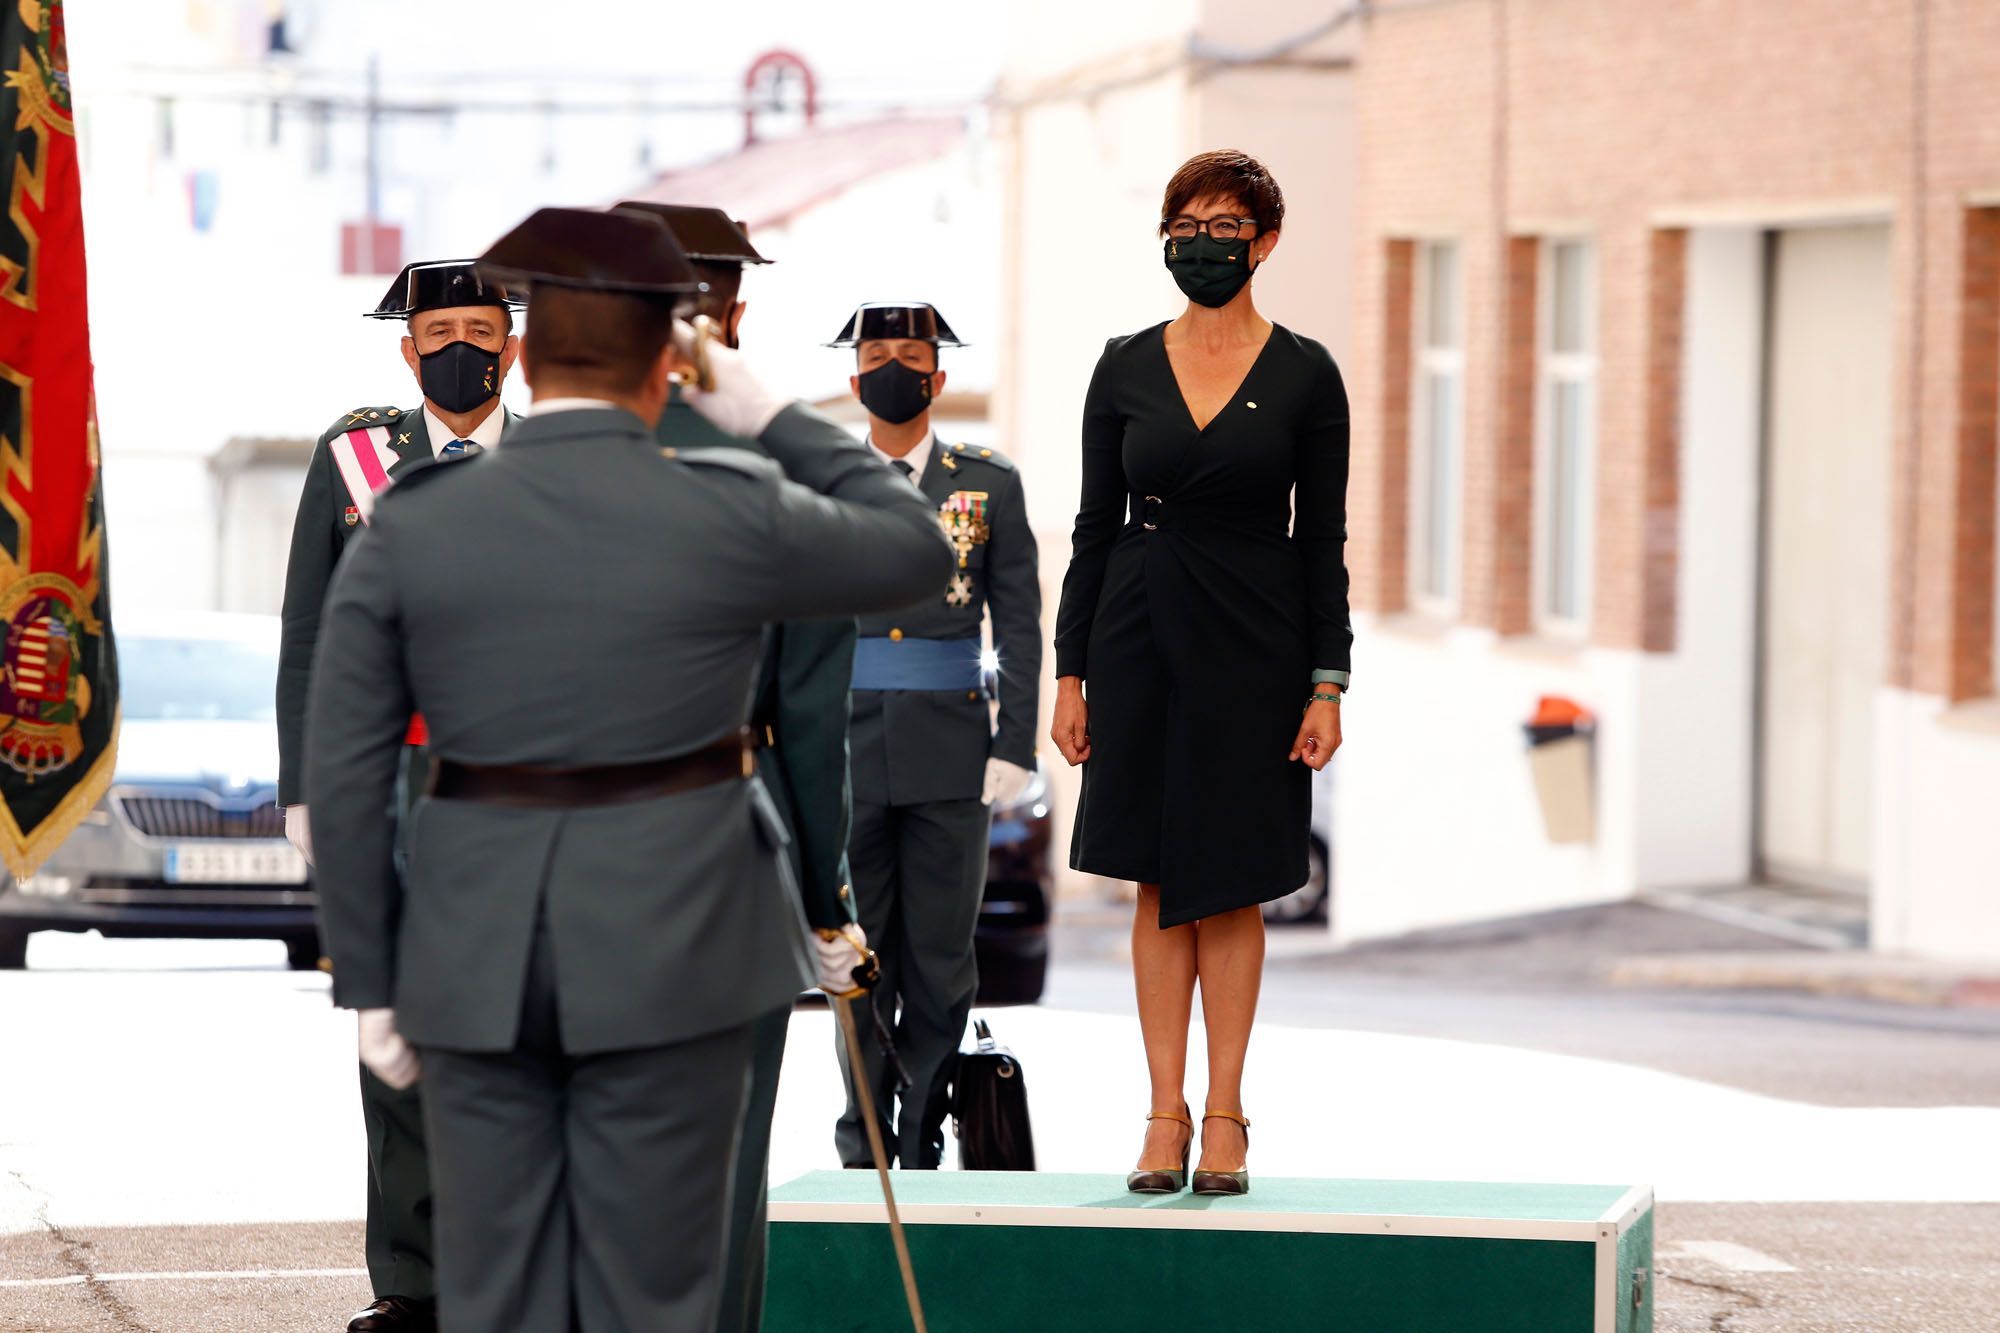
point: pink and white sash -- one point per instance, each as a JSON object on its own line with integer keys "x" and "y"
{"x": 364, "y": 459}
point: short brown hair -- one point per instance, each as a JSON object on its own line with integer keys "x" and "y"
{"x": 606, "y": 342}
{"x": 1225, "y": 173}
{"x": 725, "y": 284}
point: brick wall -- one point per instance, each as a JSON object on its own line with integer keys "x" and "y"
{"x": 1380, "y": 487}
{"x": 1970, "y": 656}
{"x": 1497, "y": 122}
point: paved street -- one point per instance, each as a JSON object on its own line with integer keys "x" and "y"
{"x": 180, "y": 1147}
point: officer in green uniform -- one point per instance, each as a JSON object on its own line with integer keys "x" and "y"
{"x": 459, "y": 343}
{"x": 928, "y": 760}
{"x": 801, "y": 719}
{"x": 598, "y": 905}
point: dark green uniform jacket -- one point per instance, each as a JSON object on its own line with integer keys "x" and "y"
{"x": 329, "y": 517}
{"x": 916, "y": 745}
{"x": 618, "y": 618}
{"x": 801, "y": 701}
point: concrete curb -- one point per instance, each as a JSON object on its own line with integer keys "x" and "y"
{"x": 1853, "y": 974}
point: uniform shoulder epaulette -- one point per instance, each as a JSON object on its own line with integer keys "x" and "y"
{"x": 365, "y": 418}
{"x": 991, "y": 457}
{"x": 722, "y": 456}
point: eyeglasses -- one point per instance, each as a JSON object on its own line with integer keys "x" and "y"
{"x": 1224, "y": 228}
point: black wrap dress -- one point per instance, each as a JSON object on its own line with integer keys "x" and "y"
{"x": 1196, "y": 608}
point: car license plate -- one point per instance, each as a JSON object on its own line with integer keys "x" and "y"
{"x": 222, "y": 863}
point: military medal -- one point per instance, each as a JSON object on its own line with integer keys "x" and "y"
{"x": 960, "y": 591}
{"x": 963, "y": 518}
{"x": 352, "y": 517}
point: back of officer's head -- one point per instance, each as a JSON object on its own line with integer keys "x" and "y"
{"x": 594, "y": 344}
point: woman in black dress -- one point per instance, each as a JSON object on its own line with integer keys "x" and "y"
{"x": 1206, "y": 607}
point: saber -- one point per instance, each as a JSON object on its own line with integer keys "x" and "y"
{"x": 844, "y": 1007}
{"x": 867, "y": 975}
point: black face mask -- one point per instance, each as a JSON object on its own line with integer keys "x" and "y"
{"x": 896, "y": 393}
{"x": 459, "y": 376}
{"x": 1209, "y": 271}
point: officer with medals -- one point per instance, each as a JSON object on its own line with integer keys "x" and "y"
{"x": 928, "y": 762}
{"x": 597, "y": 907}
{"x": 800, "y": 725}
{"x": 459, "y": 343}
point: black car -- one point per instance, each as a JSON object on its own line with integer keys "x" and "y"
{"x": 1013, "y": 936}
{"x": 189, "y": 841}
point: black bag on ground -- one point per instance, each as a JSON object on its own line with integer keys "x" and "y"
{"x": 989, "y": 1108}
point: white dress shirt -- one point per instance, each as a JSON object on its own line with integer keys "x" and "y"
{"x": 918, "y": 458}
{"x": 486, "y": 434}
{"x": 542, "y": 407}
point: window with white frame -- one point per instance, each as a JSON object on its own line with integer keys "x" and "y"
{"x": 1566, "y": 444}
{"x": 1437, "y": 428}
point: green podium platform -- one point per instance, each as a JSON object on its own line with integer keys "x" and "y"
{"x": 1033, "y": 1253}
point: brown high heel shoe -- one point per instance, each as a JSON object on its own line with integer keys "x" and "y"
{"x": 1225, "y": 1182}
{"x": 1143, "y": 1181}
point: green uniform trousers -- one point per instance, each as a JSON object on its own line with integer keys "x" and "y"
{"x": 919, "y": 872}
{"x": 397, "y": 1234}
{"x": 582, "y": 1193}
{"x": 743, "y": 1261}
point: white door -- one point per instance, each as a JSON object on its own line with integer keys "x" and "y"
{"x": 1826, "y": 550}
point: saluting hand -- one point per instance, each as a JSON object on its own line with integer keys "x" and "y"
{"x": 739, "y": 404}
{"x": 1319, "y": 735}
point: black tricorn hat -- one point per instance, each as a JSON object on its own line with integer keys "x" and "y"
{"x": 896, "y": 319}
{"x": 438, "y": 284}
{"x": 708, "y": 235}
{"x": 591, "y": 250}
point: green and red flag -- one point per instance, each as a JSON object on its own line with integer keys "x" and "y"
{"x": 58, "y": 666}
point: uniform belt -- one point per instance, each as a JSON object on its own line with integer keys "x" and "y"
{"x": 916, "y": 664}
{"x": 728, "y": 760}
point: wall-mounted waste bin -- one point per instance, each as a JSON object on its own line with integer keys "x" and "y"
{"x": 1559, "y": 756}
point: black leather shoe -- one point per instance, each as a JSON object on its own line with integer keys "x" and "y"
{"x": 396, "y": 1314}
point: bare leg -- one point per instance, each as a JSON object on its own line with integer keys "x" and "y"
{"x": 1163, "y": 973}
{"x": 1229, "y": 956}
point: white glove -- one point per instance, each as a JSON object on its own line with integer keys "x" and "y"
{"x": 739, "y": 404}
{"x": 1004, "y": 782}
{"x": 298, "y": 831}
{"x": 383, "y": 1049}
{"x": 838, "y": 957}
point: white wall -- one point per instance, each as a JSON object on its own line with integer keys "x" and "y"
{"x": 928, "y": 232}
{"x": 1302, "y": 124}
{"x": 160, "y": 528}
{"x": 1936, "y": 879}
{"x": 1437, "y": 819}
{"x": 1694, "y": 775}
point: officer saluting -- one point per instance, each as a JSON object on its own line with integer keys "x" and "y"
{"x": 459, "y": 344}
{"x": 800, "y": 718}
{"x": 928, "y": 762}
{"x": 596, "y": 907}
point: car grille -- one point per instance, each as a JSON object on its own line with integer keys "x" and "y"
{"x": 188, "y": 817}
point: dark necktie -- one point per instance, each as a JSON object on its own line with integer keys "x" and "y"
{"x": 460, "y": 449}
{"x": 909, "y": 473}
